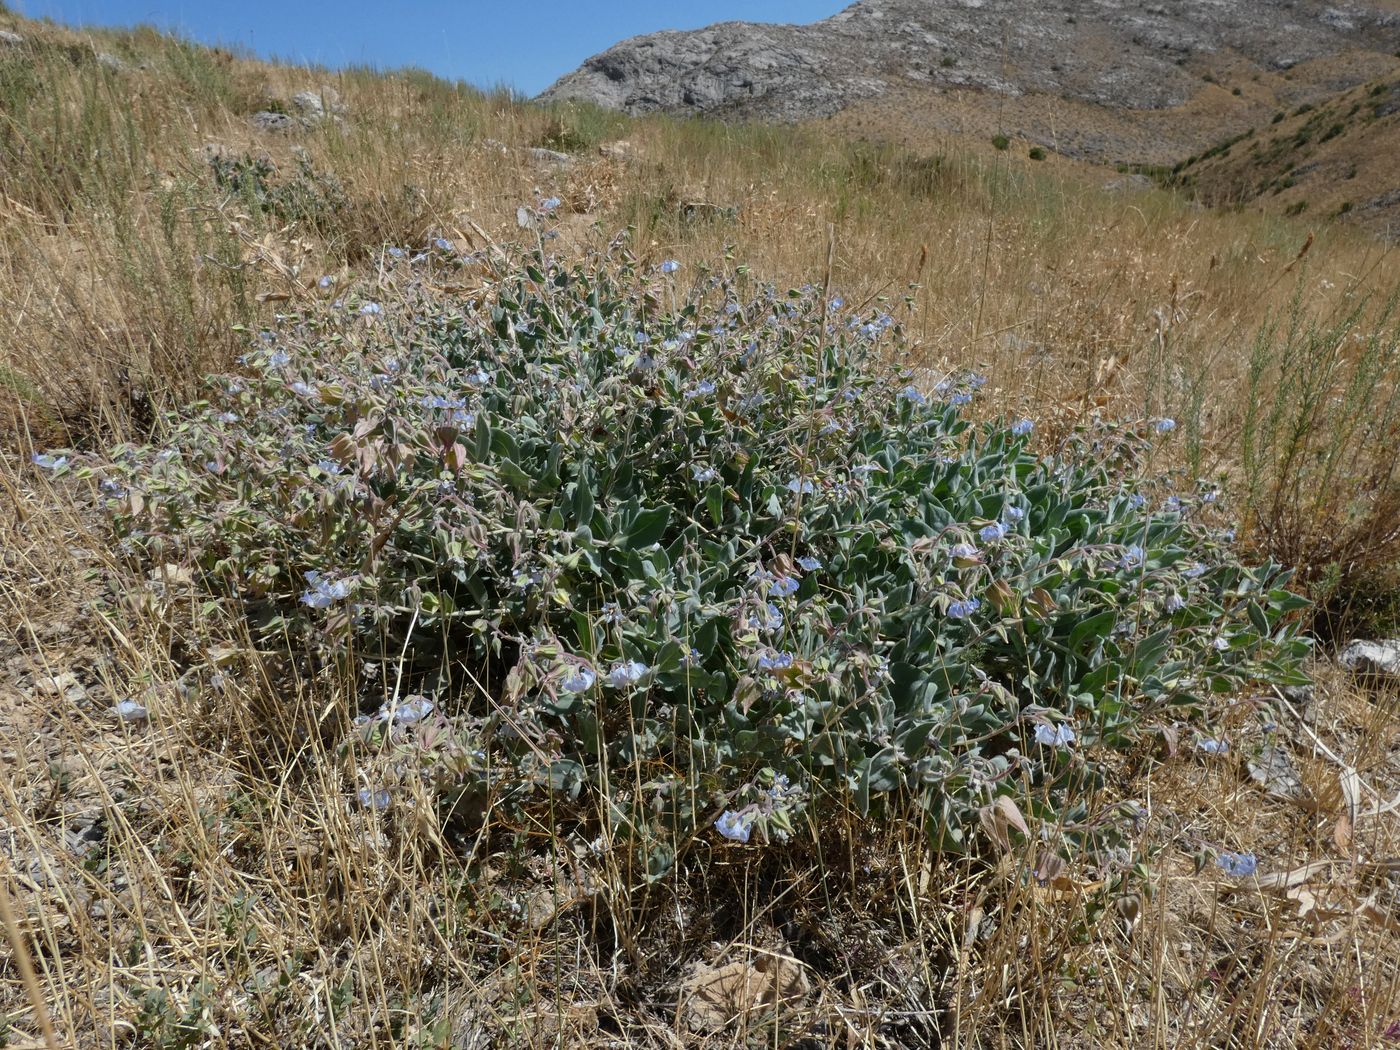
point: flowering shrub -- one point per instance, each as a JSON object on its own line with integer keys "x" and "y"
{"x": 698, "y": 553}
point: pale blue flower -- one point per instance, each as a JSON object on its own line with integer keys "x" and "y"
{"x": 1132, "y": 557}
{"x": 48, "y": 462}
{"x": 734, "y": 825}
{"x": 1211, "y": 746}
{"x": 1175, "y": 603}
{"x": 303, "y": 389}
{"x": 1221, "y": 644}
{"x": 912, "y": 394}
{"x": 371, "y": 309}
{"x": 628, "y": 673}
{"x": 1238, "y": 865}
{"x": 443, "y": 244}
{"x": 704, "y": 388}
{"x": 325, "y": 281}
{"x": 112, "y": 488}
{"x": 670, "y": 266}
{"x": 1054, "y": 736}
{"x": 324, "y": 592}
{"x": 809, "y": 564}
{"x": 549, "y": 204}
{"x": 1013, "y": 514}
{"x": 414, "y": 709}
{"x": 836, "y": 304}
{"x": 962, "y": 397}
{"x": 963, "y": 551}
{"x": 703, "y": 474}
{"x": 580, "y": 681}
{"x": 991, "y": 533}
{"x": 783, "y": 587}
{"x": 377, "y": 800}
{"x": 1022, "y": 427}
{"x": 960, "y": 610}
{"x": 772, "y": 661}
{"x": 1165, "y": 426}
{"x": 802, "y": 485}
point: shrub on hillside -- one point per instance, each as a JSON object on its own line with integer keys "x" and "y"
{"x": 699, "y": 554}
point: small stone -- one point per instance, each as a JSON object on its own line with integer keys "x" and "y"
{"x": 131, "y": 711}
{"x": 540, "y": 155}
{"x": 266, "y": 120}
{"x": 11, "y": 39}
{"x": 59, "y": 683}
{"x": 316, "y": 104}
{"x": 1273, "y": 770}
{"x": 1372, "y": 659}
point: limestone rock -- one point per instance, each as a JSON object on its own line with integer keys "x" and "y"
{"x": 1372, "y": 659}
{"x": 1113, "y": 53}
{"x": 267, "y": 120}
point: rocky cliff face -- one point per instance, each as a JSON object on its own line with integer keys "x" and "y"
{"x": 1111, "y": 53}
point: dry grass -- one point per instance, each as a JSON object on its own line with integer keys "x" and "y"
{"x": 206, "y": 880}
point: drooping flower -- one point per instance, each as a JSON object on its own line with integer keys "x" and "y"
{"x": 809, "y": 564}
{"x": 629, "y": 673}
{"x": 1013, "y": 514}
{"x": 1060, "y": 735}
{"x": 670, "y": 266}
{"x": 734, "y": 825}
{"x": 962, "y": 397}
{"x": 1132, "y": 557}
{"x": 325, "y": 592}
{"x": 703, "y": 474}
{"x": 414, "y": 709}
{"x": 773, "y": 661}
{"x": 993, "y": 532}
{"x": 913, "y": 395}
{"x": 549, "y": 204}
{"x": 1175, "y": 603}
{"x": 783, "y": 587}
{"x": 48, "y": 462}
{"x": 580, "y": 681}
{"x": 1022, "y": 427}
{"x": 1212, "y": 746}
{"x": 1237, "y": 865}
{"x": 377, "y": 800}
{"x": 802, "y": 485}
{"x": 442, "y": 244}
{"x": 963, "y": 608}
{"x": 371, "y": 309}
{"x": 704, "y": 388}
{"x": 1165, "y": 426}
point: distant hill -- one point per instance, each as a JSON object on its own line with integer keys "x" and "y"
{"x": 1104, "y": 81}
{"x": 1333, "y": 159}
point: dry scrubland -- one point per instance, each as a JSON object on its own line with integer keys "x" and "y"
{"x": 233, "y": 899}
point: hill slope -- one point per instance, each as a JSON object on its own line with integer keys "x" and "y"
{"x": 1336, "y": 158}
{"x": 923, "y": 58}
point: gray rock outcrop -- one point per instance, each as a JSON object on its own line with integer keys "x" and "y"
{"x": 1118, "y": 53}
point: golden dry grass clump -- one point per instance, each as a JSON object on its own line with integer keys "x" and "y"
{"x": 206, "y": 876}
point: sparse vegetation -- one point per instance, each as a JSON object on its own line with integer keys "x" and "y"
{"x": 231, "y": 817}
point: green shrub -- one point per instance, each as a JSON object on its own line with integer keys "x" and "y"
{"x": 697, "y": 556}
{"x": 1001, "y": 142}
{"x": 1037, "y": 153}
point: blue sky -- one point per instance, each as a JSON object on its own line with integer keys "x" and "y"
{"x": 486, "y": 42}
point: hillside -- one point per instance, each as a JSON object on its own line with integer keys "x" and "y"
{"x": 1329, "y": 160}
{"x": 370, "y": 445}
{"x": 1107, "y": 81}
